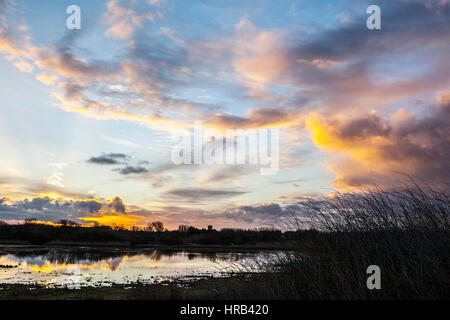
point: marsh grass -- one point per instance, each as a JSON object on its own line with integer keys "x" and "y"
{"x": 404, "y": 231}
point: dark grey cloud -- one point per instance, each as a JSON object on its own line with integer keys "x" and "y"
{"x": 109, "y": 159}
{"x": 37, "y": 204}
{"x": 46, "y": 209}
{"x": 132, "y": 170}
{"x": 371, "y": 125}
{"x": 50, "y": 210}
{"x": 257, "y": 117}
{"x": 270, "y": 214}
{"x": 289, "y": 181}
{"x": 90, "y": 205}
{"x": 202, "y": 194}
{"x": 118, "y": 205}
{"x": 120, "y": 159}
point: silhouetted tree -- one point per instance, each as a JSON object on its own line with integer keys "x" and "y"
{"x": 158, "y": 226}
{"x": 30, "y": 220}
{"x": 68, "y": 223}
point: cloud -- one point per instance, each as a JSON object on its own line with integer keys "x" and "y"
{"x": 331, "y": 67}
{"x": 370, "y": 149}
{"x": 24, "y": 66}
{"x": 120, "y": 159}
{"x": 47, "y": 209}
{"x": 133, "y": 170}
{"x": 109, "y": 159}
{"x": 38, "y": 204}
{"x": 90, "y": 205}
{"x": 124, "y": 20}
{"x": 342, "y": 65}
{"x": 226, "y": 174}
{"x": 84, "y": 211}
{"x": 117, "y": 204}
{"x": 44, "y": 209}
{"x": 269, "y": 214}
{"x": 256, "y": 118}
{"x": 56, "y": 179}
{"x": 199, "y": 194}
{"x": 172, "y": 35}
{"x": 58, "y": 165}
{"x": 145, "y": 69}
{"x": 47, "y": 79}
{"x": 259, "y": 55}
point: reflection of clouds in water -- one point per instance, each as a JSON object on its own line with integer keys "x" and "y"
{"x": 49, "y": 266}
{"x": 43, "y": 264}
{"x": 8, "y": 260}
{"x": 113, "y": 264}
{"x": 60, "y": 256}
{"x": 35, "y": 261}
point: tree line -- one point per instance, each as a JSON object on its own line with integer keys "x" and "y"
{"x": 33, "y": 232}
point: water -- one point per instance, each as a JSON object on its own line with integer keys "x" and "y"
{"x": 82, "y": 267}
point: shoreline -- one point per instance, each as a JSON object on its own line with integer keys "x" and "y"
{"x": 210, "y": 288}
{"x": 128, "y": 246}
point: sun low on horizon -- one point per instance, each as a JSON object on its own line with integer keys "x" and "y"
{"x": 98, "y": 98}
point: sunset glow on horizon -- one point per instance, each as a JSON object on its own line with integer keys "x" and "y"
{"x": 88, "y": 115}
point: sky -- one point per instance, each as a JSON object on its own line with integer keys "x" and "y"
{"x": 87, "y": 116}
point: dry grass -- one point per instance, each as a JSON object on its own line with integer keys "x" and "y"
{"x": 404, "y": 231}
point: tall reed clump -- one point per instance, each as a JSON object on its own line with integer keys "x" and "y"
{"x": 405, "y": 231}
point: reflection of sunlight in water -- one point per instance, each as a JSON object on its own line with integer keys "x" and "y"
{"x": 53, "y": 268}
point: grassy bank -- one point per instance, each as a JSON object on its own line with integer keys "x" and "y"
{"x": 235, "y": 287}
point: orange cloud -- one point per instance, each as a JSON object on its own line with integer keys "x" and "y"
{"x": 126, "y": 221}
{"x": 47, "y": 79}
{"x": 124, "y": 21}
{"x": 7, "y": 45}
{"x": 258, "y": 58}
{"x": 369, "y": 149}
{"x": 24, "y": 66}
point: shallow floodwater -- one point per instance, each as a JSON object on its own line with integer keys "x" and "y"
{"x": 81, "y": 267}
